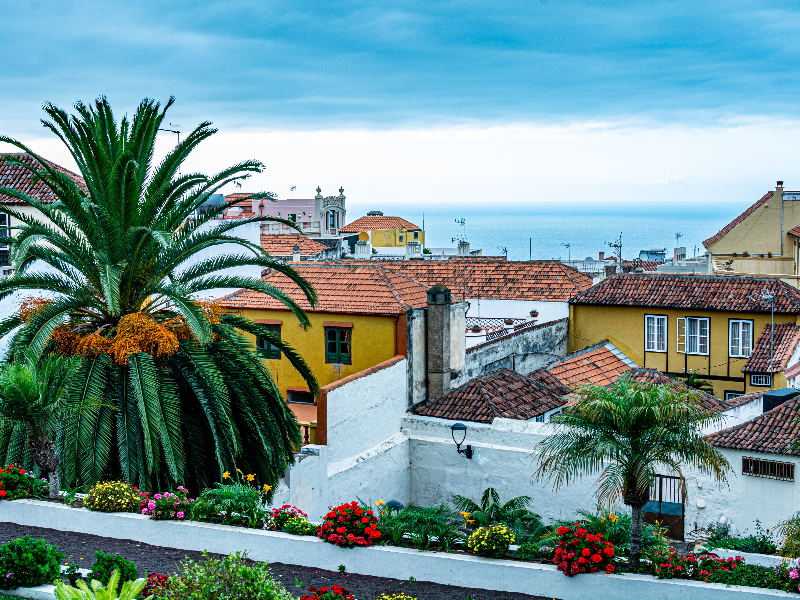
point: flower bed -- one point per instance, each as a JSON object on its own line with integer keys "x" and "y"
{"x": 380, "y": 561}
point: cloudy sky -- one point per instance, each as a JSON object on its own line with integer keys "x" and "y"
{"x": 431, "y": 103}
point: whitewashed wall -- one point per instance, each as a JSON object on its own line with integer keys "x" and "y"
{"x": 516, "y": 309}
{"x": 739, "y": 414}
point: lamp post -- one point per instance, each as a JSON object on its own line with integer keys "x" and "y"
{"x": 462, "y": 430}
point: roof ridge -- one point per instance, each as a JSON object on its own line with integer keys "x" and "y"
{"x": 725, "y": 230}
{"x": 484, "y": 395}
{"x": 392, "y": 289}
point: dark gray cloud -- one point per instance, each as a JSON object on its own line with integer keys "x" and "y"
{"x": 326, "y": 64}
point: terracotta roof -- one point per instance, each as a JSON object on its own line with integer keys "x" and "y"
{"x": 19, "y": 178}
{"x": 599, "y": 364}
{"x": 370, "y": 223}
{"x": 696, "y": 292}
{"x": 708, "y": 401}
{"x": 646, "y": 265}
{"x": 346, "y": 289}
{"x": 500, "y": 393}
{"x": 722, "y": 232}
{"x": 774, "y": 432}
{"x": 784, "y": 342}
{"x": 278, "y": 244}
{"x": 744, "y": 399}
{"x": 536, "y": 280}
{"x": 794, "y": 232}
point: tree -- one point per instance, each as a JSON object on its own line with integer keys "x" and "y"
{"x": 694, "y": 381}
{"x": 514, "y": 513}
{"x": 626, "y": 432}
{"x": 33, "y": 404}
{"x": 183, "y": 395}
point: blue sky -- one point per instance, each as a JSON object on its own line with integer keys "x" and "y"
{"x": 695, "y": 78}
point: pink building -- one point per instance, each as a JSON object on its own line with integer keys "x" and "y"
{"x": 317, "y": 217}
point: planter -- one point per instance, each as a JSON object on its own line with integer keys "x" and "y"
{"x": 40, "y": 592}
{"x": 382, "y": 561}
{"x": 751, "y": 558}
{"x": 534, "y": 313}
{"x": 476, "y": 329}
{"x": 509, "y": 321}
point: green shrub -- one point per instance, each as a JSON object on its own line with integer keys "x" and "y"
{"x": 16, "y": 482}
{"x": 423, "y": 525}
{"x": 300, "y": 526}
{"x": 761, "y": 542}
{"x": 492, "y": 541}
{"x": 130, "y": 590}
{"x": 789, "y": 530}
{"x": 26, "y": 562}
{"x": 112, "y": 496}
{"x": 231, "y": 504}
{"x": 531, "y": 552}
{"x": 106, "y": 564}
{"x": 229, "y": 578}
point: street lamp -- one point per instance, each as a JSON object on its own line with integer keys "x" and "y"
{"x": 462, "y": 429}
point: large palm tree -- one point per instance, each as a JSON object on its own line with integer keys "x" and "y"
{"x": 626, "y": 433}
{"x": 33, "y": 404}
{"x": 183, "y": 396}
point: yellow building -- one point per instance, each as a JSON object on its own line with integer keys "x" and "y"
{"x": 384, "y": 232}
{"x": 690, "y": 323}
{"x": 764, "y": 240}
{"x": 359, "y": 322}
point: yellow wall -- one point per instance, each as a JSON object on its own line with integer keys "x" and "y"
{"x": 373, "y": 342}
{"x": 624, "y": 327}
{"x": 390, "y": 238}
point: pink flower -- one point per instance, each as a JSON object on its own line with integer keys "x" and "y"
{"x": 144, "y": 511}
{"x": 180, "y": 514}
{"x": 151, "y": 505}
{"x": 158, "y": 496}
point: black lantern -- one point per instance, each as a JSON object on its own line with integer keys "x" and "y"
{"x": 462, "y": 432}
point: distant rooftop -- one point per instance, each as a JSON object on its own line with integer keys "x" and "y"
{"x": 372, "y": 222}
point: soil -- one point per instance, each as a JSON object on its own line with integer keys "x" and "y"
{"x": 80, "y": 549}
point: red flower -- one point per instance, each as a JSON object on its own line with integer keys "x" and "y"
{"x": 596, "y": 558}
{"x": 586, "y": 552}
{"x": 608, "y": 551}
{"x": 581, "y": 560}
{"x": 562, "y": 530}
{"x": 22, "y": 471}
{"x": 365, "y": 519}
{"x": 609, "y": 569}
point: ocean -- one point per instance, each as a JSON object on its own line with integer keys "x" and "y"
{"x": 542, "y": 234}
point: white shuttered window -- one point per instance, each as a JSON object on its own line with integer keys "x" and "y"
{"x": 693, "y": 335}
{"x": 740, "y": 337}
{"x": 655, "y": 327}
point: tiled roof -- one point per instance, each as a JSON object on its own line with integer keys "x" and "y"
{"x": 537, "y": 280}
{"x": 794, "y": 232}
{"x": 774, "y": 432}
{"x": 646, "y": 265}
{"x": 708, "y": 401}
{"x": 737, "y": 220}
{"x": 19, "y": 178}
{"x": 599, "y": 364}
{"x": 500, "y": 393}
{"x": 744, "y": 399}
{"x": 346, "y": 289}
{"x": 696, "y": 292}
{"x": 370, "y": 223}
{"x": 784, "y": 341}
{"x": 283, "y": 244}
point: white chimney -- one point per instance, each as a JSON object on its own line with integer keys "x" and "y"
{"x": 296, "y": 254}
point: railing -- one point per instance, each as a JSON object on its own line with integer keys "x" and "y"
{"x": 309, "y": 431}
{"x": 525, "y": 325}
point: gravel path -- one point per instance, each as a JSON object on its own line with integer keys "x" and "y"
{"x": 80, "y": 549}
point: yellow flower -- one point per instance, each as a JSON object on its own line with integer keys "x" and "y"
{"x": 267, "y": 488}
{"x": 466, "y": 515}
{"x": 225, "y": 475}
{"x": 251, "y": 477}
{"x": 470, "y": 521}
{"x": 380, "y": 503}
{"x": 240, "y": 471}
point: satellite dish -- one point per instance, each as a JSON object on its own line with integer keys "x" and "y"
{"x": 363, "y": 236}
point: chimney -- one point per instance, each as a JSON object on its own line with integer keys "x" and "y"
{"x": 463, "y": 248}
{"x": 602, "y": 256}
{"x": 362, "y": 249}
{"x": 779, "y": 186}
{"x": 296, "y": 254}
{"x": 413, "y": 250}
{"x": 438, "y": 334}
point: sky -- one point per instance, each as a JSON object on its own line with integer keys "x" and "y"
{"x": 503, "y": 105}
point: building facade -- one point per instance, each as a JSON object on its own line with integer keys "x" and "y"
{"x": 382, "y": 231}
{"x": 680, "y": 324}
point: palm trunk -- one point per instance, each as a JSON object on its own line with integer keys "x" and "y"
{"x": 43, "y": 452}
{"x": 55, "y": 484}
{"x": 636, "y": 536}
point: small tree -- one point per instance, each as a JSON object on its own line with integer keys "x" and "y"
{"x": 33, "y": 405}
{"x": 626, "y": 432}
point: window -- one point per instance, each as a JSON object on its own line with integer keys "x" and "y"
{"x": 401, "y": 238}
{"x": 740, "y": 336}
{"x": 539, "y": 419}
{"x": 263, "y": 346}
{"x": 331, "y": 220}
{"x": 416, "y": 235}
{"x": 771, "y": 469}
{"x": 732, "y": 395}
{"x": 760, "y": 380}
{"x": 337, "y": 345}
{"x": 693, "y": 335}
{"x": 655, "y": 333}
{"x": 302, "y": 396}
{"x": 293, "y": 217}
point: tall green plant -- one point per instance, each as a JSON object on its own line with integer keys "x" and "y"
{"x": 184, "y": 396}
{"x": 625, "y": 433}
{"x": 33, "y": 404}
{"x": 514, "y": 513}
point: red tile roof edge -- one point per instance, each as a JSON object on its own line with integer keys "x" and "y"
{"x": 515, "y": 334}
{"x": 722, "y": 232}
{"x": 379, "y": 367}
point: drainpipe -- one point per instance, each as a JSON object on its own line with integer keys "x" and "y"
{"x": 779, "y": 190}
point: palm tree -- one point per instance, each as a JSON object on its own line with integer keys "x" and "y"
{"x": 514, "y": 513}
{"x": 693, "y": 381}
{"x": 626, "y": 432}
{"x": 183, "y": 395}
{"x": 33, "y": 403}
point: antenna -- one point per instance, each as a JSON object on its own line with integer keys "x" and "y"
{"x": 292, "y": 189}
{"x": 569, "y": 252}
{"x": 678, "y": 235}
{"x": 617, "y": 245}
{"x": 503, "y": 250}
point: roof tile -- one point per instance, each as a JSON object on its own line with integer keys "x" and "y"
{"x": 784, "y": 341}
{"x": 283, "y": 244}
{"x": 19, "y": 178}
{"x": 370, "y": 223}
{"x": 774, "y": 432}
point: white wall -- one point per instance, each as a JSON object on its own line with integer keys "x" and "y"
{"x": 517, "y": 309}
{"x": 250, "y": 232}
{"x": 738, "y": 415}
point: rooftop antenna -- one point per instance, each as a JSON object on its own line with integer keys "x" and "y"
{"x": 617, "y": 245}
{"x": 503, "y": 251}
{"x": 678, "y": 236}
{"x": 569, "y": 252}
{"x": 767, "y": 298}
{"x": 463, "y": 238}
{"x": 174, "y": 129}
